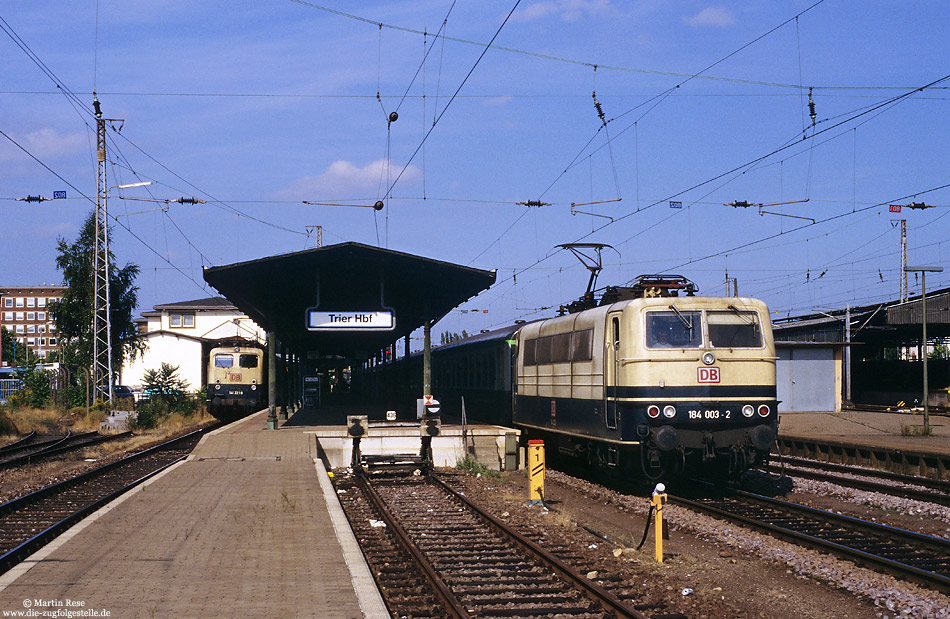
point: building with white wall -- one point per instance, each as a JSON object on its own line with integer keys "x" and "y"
{"x": 181, "y": 334}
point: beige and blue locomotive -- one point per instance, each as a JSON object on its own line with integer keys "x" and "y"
{"x": 659, "y": 384}
{"x": 235, "y": 381}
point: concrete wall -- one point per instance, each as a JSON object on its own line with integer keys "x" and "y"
{"x": 185, "y": 352}
{"x": 487, "y": 444}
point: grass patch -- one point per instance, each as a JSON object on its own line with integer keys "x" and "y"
{"x": 472, "y": 465}
{"x": 916, "y": 430}
{"x": 42, "y": 419}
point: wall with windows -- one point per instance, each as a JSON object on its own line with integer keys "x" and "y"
{"x": 25, "y": 312}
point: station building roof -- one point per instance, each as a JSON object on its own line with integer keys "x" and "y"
{"x": 278, "y": 293}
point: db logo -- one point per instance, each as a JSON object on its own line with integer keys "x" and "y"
{"x": 707, "y": 375}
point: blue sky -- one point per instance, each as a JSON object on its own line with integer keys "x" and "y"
{"x": 256, "y": 107}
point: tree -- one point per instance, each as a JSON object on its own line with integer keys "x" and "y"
{"x": 73, "y": 313}
{"x": 449, "y": 336}
{"x": 16, "y": 354}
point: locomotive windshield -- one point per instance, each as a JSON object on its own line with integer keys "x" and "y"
{"x": 734, "y": 329}
{"x": 675, "y": 329}
{"x": 223, "y": 361}
{"x": 248, "y": 361}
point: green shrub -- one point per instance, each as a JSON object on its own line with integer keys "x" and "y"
{"x": 472, "y": 465}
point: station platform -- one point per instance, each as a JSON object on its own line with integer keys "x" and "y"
{"x": 248, "y": 525}
{"x": 867, "y": 428}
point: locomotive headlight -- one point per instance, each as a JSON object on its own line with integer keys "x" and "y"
{"x": 709, "y": 358}
{"x": 653, "y": 411}
{"x": 764, "y": 410}
{"x": 253, "y": 387}
{"x": 748, "y": 410}
{"x": 217, "y": 387}
{"x": 669, "y": 411}
{"x": 253, "y": 381}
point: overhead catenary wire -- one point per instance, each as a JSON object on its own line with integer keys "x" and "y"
{"x": 452, "y": 98}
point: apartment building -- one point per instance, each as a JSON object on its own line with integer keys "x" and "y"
{"x": 24, "y": 310}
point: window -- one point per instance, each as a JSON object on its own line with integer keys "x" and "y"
{"x": 582, "y": 345}
{"x": 41, "y": 302}
{"x": 31, "y": 315}
{"x": 560, "y": 348}
{"x": 248, "y": 361}
{"x": 20, "y": 316}
{"x": 181, "y": 320}
{"x": 52, "y": 328}
{"x": 41, "y": 329}
{"x": 223, "y": 361}
{"x": 52, "y": 341}
{"x": 734, "y": 329}
{"x": 41, "y": 315}
{"x": 8, "y": 302}
{"x": 20, "y": 329}
{"x": 530, "y": 352}
{"x": 19, "y": 301}
{"x": 31, "y": 302}
{"x": 31, "y": 328}
{"x": 42, "y": 341}
{"x": 674, "y": 330}
{"x": 8, "y": 316}
{"x": 31, "y": 341}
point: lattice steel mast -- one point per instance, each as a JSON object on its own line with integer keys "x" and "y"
{"x": 101, "y": 321}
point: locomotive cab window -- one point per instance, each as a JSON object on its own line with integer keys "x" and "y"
{"x": 223, "y": 361}
{"x": 674, "y": 329}
{"x": 734, "y": 329}
{"x": 248, "y": 361}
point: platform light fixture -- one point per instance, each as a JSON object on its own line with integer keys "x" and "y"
{"x": 923, "y": 320}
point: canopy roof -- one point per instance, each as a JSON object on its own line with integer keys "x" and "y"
{"x": 277, "y": 292}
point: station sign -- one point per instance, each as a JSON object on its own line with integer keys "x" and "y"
{"x": 382, "y": 320}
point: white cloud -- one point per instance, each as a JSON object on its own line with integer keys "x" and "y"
{"x": 46, "y": 143}
{"x": 343, "y": 179}
{"x": 713, "y": 16}
{"x": 569, "y": 10}
{"x": 502, "y": 100}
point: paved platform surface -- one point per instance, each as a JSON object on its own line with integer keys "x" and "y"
{"x": 247, "y": 527}
{"x": 872, "y": 428}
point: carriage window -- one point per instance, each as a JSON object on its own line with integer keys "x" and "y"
{"x": 561, "y": 348}
{"x": 248, "y": 361}
{"x": 223, "y": 361}
{"x": 543, "y": 354}
{"x": 530, "y": 348}
{"x": 581, "y": 346}
{"x": 734, "y": 329}
{"x": 674, "y": 330}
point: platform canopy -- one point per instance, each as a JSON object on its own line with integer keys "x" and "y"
{"x": 336, "y": 300}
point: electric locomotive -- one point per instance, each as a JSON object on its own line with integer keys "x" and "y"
{"x": 652, "y": 381}
{"x": 235, "y": 381}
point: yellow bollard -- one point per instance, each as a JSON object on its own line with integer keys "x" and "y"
{"x": 659, "y": 498}
{"x": 536, "y": 472}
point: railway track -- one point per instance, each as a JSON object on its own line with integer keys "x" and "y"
{"x": 33, "y": 520}
{"x": 19, "y": 442}
{"x": 434, "y": 553}
{"x": 904, "y": 486}
{"x": 912, "y": 556}
{"x": 37, "y": 449}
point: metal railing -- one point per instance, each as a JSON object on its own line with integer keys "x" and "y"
{"x": 9, "y": 386}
